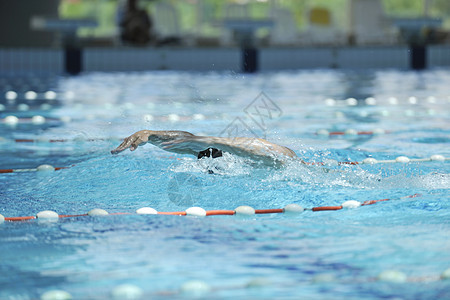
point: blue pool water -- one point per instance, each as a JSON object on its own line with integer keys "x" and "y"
{"x": 312, "y": 255}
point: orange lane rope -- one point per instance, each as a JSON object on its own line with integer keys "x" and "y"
{"x": 324, "y": 208}
{"x": 351, "y": 132}
{"x": 358, "y": 133}
{"x": 197, "y": 211}
{"x": 29, "y": 170}
{"x": 220, "y": 212}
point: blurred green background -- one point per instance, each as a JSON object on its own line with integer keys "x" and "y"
{"x": 200, "y": 17}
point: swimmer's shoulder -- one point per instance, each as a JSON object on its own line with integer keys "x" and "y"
{"x": 282, "y": 149}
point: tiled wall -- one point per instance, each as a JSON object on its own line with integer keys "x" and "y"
{"x": 31, "y": 60}
{"x": 373, "y": 57}
{"x": 288, "y": 58}
{"x": 37, "y": 60}
{"x": 354, "y": 58}
{"x": 100, "y": 59}
{"x": 438, "y": 56}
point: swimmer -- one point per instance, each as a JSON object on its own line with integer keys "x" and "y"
{"x": 183, "y": 142}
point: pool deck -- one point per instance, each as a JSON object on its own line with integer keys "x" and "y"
{"x": 118, "y": 59}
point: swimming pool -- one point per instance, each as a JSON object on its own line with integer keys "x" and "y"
{"x": 325, "y": 116}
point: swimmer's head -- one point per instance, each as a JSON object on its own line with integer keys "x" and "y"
{"x": 210, "y": 152}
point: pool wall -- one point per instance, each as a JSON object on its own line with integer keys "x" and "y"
{"x": 22, "y": 60}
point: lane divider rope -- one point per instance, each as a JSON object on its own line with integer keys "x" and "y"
{"x": 367, "y": 161}
{"x": 13, "y": 121}
{"x": 200, "y": 212}
{"x": 65, "y": 140}
{"x": 371, "y": 161}
{"x": 321, "y": 132}
{"x": 36, "y": 120}
{"x": 41, "y": 168}
{"x": 393, "y": 101}
{"x": 351, "y": 132}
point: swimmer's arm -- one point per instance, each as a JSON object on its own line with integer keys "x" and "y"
{"x": 183, "y": 142}
{"x": 253, "y": 148}
{"x": 156, "y": 138}
{"x": 133, "y": 141}
{"x": 256, "y": 149}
